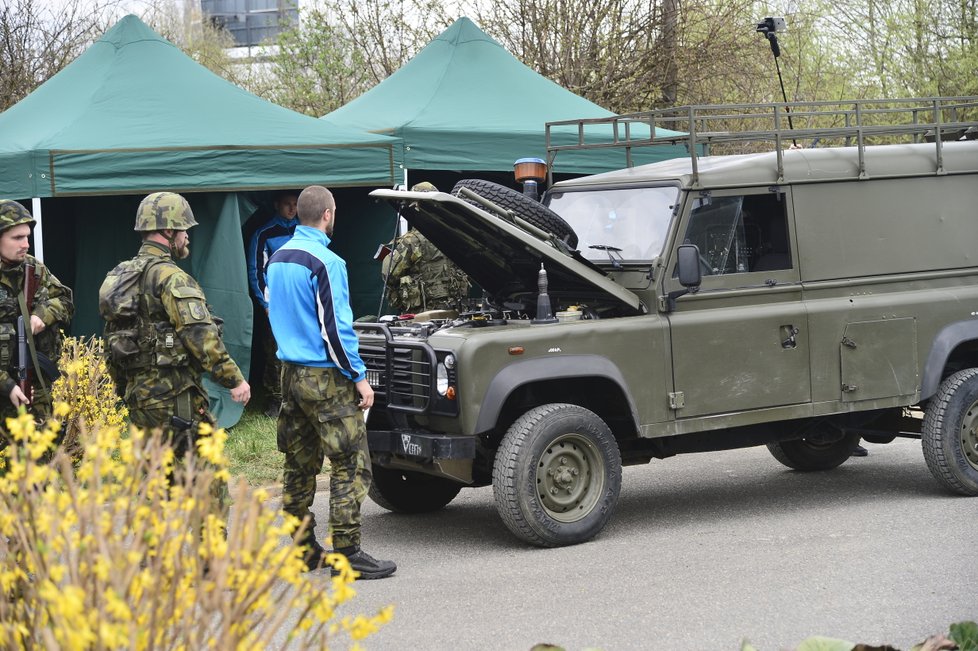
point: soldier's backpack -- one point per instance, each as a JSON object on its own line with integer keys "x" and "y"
{"x": 119, "y": 300}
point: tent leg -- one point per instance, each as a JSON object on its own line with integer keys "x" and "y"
{"x": 38, "y": 239}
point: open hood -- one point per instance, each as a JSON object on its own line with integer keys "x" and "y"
{"x": 501, "y": 257}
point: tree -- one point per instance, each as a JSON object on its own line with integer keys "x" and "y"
{"x": 342, "y": 48}
{"x": 202, "y": 40}
{"x": 315, "y": 67}
{"x": 911, "y": 47}
{"x": 37, "y": 40}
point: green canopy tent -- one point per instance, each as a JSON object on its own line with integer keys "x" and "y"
{"x": 465, "y": 107}
{"x": 465, "y": 103}
{"x": 133, "y": 115}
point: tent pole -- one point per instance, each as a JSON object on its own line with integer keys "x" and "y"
{"x": 38, "y": 239}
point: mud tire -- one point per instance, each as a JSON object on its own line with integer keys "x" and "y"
{"x": 532, "y": 211}
{"x": 557, "y": 475}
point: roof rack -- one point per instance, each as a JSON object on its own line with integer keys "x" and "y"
{"x": 744, "y": 128}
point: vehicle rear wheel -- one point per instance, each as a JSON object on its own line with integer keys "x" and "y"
{"x": 822, "y": 450}
{"x": 557, "y": 475}
{"x": 404, "y": 491}
{"x": 532, "y": 211}
{"x": 949, "y": 433}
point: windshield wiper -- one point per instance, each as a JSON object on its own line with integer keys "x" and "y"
{"x": 611, "y": 251}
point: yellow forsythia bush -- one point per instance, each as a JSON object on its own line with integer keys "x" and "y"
{"x": 87, "y": 388}
{"x": 106, "y": 553}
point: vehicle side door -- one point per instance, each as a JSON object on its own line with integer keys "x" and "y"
{"x": 741, "y": 341}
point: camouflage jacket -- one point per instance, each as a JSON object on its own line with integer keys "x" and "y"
{"x": 175, "y": 337}
{"x": 420, "y": 277}
{"x": 52, "y": 303}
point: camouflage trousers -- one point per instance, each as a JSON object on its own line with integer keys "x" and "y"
{"x": 40, "y": 408}
{"x": 191, "y": 406}
{"x": 320, "y": 419}
{"x": 271, "y": 378}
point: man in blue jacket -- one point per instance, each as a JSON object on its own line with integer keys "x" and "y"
{"x": 324, "y": 385}
{"x": 264, "y": 242}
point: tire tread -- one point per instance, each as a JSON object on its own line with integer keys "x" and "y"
{"x": 934, "y": 431}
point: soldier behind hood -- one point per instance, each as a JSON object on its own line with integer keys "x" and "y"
{"x": 46, "y": 311}
{"x": 159, "y": 331}
{"x": 418, "y": 276}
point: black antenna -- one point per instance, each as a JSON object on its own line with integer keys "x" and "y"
{"x": 770, "y": 26}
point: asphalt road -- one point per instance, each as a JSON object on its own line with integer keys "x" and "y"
{"x": 703, "y": 551}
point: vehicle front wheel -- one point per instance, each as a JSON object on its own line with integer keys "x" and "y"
{"x": 822, "y": 450}
{"x": 404, "y": 491}
{"x": 949, "y": 433}
{"x": 557, "y": 475}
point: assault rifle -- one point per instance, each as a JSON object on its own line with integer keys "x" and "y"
{"x": 25, "y": 372}
{"x": 23, "y": 368}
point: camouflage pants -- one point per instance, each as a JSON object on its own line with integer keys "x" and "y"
{"x": 191, "y": 406}
{"x": 271, "y": 379}
{"x": 40, "y": 408}
{"x": 320, "y": 419}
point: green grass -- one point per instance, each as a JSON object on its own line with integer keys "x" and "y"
{"x": 252, "y": 451}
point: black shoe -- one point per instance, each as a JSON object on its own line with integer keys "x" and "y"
{"x": 859, "y": 451}
{"x": 273, "y": 408}
{"x": 368, "y": 566}
{"x": 314, "y": 555}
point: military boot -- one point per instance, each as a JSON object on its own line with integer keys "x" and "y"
{"x": 366, "y": 565}
{"x": 313, "y": 554}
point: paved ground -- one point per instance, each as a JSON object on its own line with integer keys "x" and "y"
{"x": 703, "y": 551}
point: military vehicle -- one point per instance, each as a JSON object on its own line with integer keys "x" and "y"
{"x": 803, "y": 299}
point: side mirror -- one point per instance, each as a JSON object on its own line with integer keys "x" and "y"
{"x": 690, "y": 272}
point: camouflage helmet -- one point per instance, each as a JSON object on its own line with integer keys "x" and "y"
{"x": 13, "y": 214}
{"x": 424, "y": 186}
{"x": 164, "y": 210}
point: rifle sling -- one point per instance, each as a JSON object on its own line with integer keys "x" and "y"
{"x": 29, "y": 332}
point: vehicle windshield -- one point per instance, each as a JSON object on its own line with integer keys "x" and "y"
{"x": 617, "y": 225}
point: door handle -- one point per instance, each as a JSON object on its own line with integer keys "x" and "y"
{"x": 788, "y": 333}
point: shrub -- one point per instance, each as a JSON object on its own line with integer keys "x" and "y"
{"x": 108, "y": 553}
{"x": 86, "y": 387}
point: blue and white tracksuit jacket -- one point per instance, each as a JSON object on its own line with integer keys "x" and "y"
{"x": 266, "y": 241}
{"x": 309, "y": 305}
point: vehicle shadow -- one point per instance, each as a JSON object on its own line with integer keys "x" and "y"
{"x": 669, "y": 493}
{"x": 769, "y": 489}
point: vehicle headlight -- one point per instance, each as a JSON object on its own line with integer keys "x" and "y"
{"x": 441, "y": 377}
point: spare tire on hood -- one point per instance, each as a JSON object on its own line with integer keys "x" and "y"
{"x": 532, "y": 211}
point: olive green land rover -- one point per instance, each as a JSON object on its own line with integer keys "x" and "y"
{"x": 817, "y": 288}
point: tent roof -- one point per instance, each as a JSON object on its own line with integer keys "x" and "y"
{"x": 134, "y": 114}
{"x": 465, "y": 103}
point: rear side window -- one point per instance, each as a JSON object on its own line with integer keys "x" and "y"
{"x": 741, "y": 234}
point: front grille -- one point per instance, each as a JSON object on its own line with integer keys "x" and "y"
{"x": 399, "y": 372}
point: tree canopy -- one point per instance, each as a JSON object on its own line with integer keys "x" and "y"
{"x": 625, "y": 55}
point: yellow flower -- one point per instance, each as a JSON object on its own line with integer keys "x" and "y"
{"x": 115, "y": 550}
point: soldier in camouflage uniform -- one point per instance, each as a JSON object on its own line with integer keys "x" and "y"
{"x": 159, "y": 331}
{"x": 322, "y": 375}
{"x": 418, "y": 276}
{"x": 51, "y": 311}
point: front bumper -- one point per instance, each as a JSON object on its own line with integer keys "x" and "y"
{"x": 420, "y": 446}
